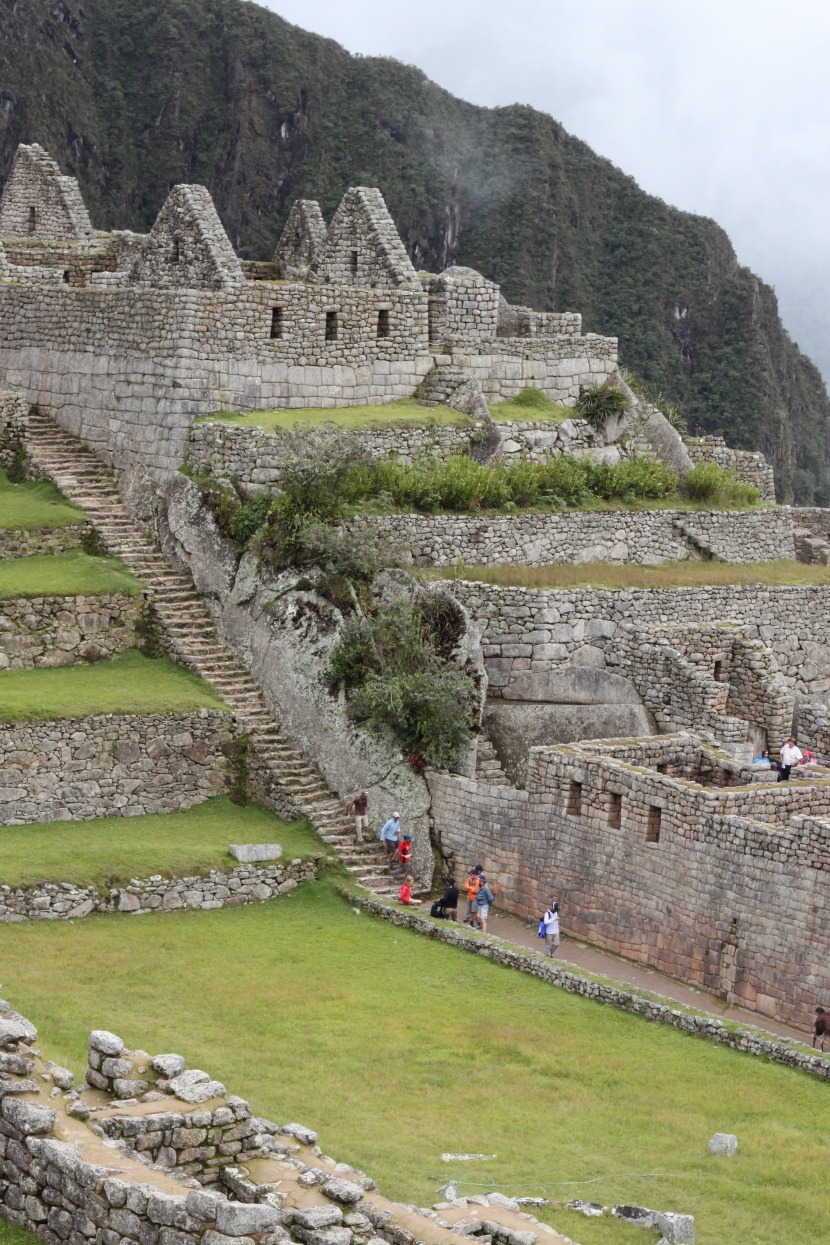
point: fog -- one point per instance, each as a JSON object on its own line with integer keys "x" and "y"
{"x": 718, "y": 108}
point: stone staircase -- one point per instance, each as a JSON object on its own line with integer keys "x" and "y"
{"x": 489, "y": 768}
{"x": 193, "y": 640}
{"x": 811, "y": 547}
{"x": 439, "y": 385}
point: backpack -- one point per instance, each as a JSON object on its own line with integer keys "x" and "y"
{"x": 542, "y": 928}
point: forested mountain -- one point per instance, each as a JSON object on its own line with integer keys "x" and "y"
{"x": 132, "y": 96}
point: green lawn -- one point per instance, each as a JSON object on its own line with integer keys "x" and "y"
{"x": 110, "y": 850}
{"x": 405, "y": 412}
{"x": 27, "y": 507}
{"x": 667, "y": 575}
{"x": 11, "y": 1234}
{"x": 397, "y": 1049}
{"x": 128, "y": 684}
{"x": 65, "y": 574}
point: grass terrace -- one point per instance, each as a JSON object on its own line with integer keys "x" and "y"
{"x": 65, "y": 574}
{"x": 404, "y": 413}
{"x": 690, "y": 574}
{"x": 111, "y": 850}
{"x": 128, "y": 684}
{"x": 318, "y": 1013}
{"x": 32, "y": 507}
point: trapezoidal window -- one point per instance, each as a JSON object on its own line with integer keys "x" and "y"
{"x": 717, "y": 673}
{"x": 276, "y": 322}
{"x": 176, "y": 252}
{"x": 331, "y": 326}
{"x": 353, "y": 264}
{"x": 575, "y": 799}
{"x": 31, "y": 223}
{"x": 66, "y": 275}
{"x": 383, "y": 323}
{"x": 614, "y": 810}
{"x": 655, "y": 816}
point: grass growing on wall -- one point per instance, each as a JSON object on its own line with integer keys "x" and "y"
{"x": 667, "y": 575}
{"x": 397, "y": 1049}
{"x": 65, "y": 574}
{"x": 530, "y": 404}
{"x": 30, "y": 507}
{"x": 405, "y": 412}
{"x": 110, "y": 850}
{"x": 128, "y": 684}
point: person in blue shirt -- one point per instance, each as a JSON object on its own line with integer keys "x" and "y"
{"x": 389, "y": 836}
{"x": 484, "y": 899}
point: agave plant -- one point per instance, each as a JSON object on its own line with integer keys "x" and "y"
{"x": 600, "y": 403}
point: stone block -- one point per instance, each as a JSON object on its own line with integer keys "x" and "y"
{"x": 251, "y": 853}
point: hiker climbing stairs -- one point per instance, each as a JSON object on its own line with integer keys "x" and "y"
{"x": 193, "y": 640}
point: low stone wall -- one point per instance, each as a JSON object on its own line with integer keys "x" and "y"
{"x": 491, "y": 948}
{"x": 64, "y": 901}
{"x": 749, "y": 466}
{"x": 528, "y": 630}
{"x": 621, "y": 536}
{"x": 13, "y": 426}
{"x": 20, "y": 544}
{"x": 59, "y": 631}
{"x": 80, "y": 768}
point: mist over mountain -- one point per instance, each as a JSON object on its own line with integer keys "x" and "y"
{"x": 134, "y": 97}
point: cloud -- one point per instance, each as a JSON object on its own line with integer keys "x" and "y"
{"x": 719, "y": 107}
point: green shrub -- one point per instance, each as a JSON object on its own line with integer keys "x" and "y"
{"x": 600, "y": 403}
{"x": 707, "y": 482}
{"x": 532, "y": 398}
{"x": 248, "y": 518}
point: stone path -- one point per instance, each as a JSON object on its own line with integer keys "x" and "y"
{"x": 625, "y": 973}
{"x": 190, "y": 631}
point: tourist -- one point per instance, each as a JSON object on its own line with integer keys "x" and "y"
{"x": 791, "y": 754}
{"x": 471, "y": 888}
{"x": 484, "y": 901}
{"x": 550, "y": 921}
{"x": 447, "y": 906}
{"x": 763, "y": 759}
{"x": 404, "y": 852}
{"x": 406, "y": 893}
{"x": 358, "y": 806}
{"x": 389, "y": 836}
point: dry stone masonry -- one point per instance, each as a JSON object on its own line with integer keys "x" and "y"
{"x": 60, "y": 631}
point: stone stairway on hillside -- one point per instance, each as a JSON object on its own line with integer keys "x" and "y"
{"x": 811, "y": 547}
{"x": 440, "y": 384}
{"x": 488, "y": 766}
{"x": 194, "y": 642}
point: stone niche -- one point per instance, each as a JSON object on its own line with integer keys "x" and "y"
{"x": 562, "y": 706}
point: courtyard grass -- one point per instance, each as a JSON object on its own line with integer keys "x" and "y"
{"x": 782, "y": 573}
{"x": 35, "y": 506}
{"x": 65, "y": 574}
{"x": 110, "y": 850}
{"x": 405, "y": 413}
{"x": 398, "y": 1049}
{"x": 128, "y": 684}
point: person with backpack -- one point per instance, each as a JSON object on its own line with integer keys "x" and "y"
{"x": 549, "y": 928}
{"x": 471, "y": 890}
{"x": 447, "y": 906}
{"x": 485, "y": 900}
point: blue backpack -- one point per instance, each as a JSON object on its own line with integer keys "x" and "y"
{"x": 542, "y": 928}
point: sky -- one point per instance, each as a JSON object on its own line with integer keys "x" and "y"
{"x": 720, "y": 107}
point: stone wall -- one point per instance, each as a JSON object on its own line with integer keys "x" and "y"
{"x": 749, "y": 466}
{"x": 59, "y": 631}
{"x": 80, "y": 768}
{"x": 561, "y": 367}
{"x": 64, "y": 901}
{"x": 39, "y": 202}
{"x": 23, "y": 544}
{"x": 638, "y": 536}
{"x": 717, "y": 886}
{"x": 527, "y": 630}
{"x": 13, "y": 422}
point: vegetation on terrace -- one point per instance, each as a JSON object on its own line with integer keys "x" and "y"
{"x": 579, "y": 1099}
{"x": 65, "y": 574}
{"x": 128, "y": 684}
{"x": 111, "y": 850}
{"x": 690, "y": 574}
{"x": 32, "y": 506}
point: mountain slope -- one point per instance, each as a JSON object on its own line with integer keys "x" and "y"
{"x": 133, "y": 96}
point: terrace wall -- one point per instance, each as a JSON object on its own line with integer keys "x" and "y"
{"x": 620, "y": 536}
{"x": 78, "y": 768}
{"x": 749, "y": 466}
{"x": 60, "y": 631}
{"x": 725, "y": 899}
{"x": 23, "y": 544}
{"x": 527, "y": 630}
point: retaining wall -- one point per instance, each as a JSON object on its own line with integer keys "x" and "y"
{"x": 749, "y": 466}
{"x": 64, "y": 901}
{"x": 15, "y": 543}
{"x": 644, "y": 536}
{"x": 59, "y": 631}
{"x": 78, "y": 768}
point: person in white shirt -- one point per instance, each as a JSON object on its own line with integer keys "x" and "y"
{"x": 551, "y": 920}
{"x": 791, "y": 754}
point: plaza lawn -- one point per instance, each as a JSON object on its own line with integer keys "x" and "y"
{"x": 397, "y": 1049}
{"x": 28, "y": 507}
{"x": 666, "y": 575}
{"x": 128, "y": 684}
{"x": 110, "y": 850}
{"x": 406, "y": 412}
{"x": 65, "y": 574}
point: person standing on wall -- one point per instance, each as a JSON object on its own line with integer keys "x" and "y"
{"x": 550, "y": 921}
{"x": 791, "y": 754}
{"x": 359, "y": 806}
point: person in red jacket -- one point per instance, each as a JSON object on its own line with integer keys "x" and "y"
{"x": 406, "y": 893}
{"x": 404, "y": 853}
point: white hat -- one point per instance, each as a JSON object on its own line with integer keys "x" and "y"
{"x": 395, "y": 816}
